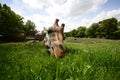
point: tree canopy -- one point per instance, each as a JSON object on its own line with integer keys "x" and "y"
{"x": 9, "y": 20}
{"x": 12, "y": 23}
{"x": 108, "y": 28}
{"x": 92, "y": 30}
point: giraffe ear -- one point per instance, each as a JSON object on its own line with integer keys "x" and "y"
{"x": 56, "y": 23}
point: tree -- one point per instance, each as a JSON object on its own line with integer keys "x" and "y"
{"x": 118, "y": 25}
{"x": 30, "y": 25}
{"x": 107, "y": 27}
{"x": 92, "y": 30}
{"x": 9, "y": 20}
{"x": 74, "y": 32}
{"x": 81, "y": 31}
{"x": 30, "y": 28}
{"x": 11, "y": 24}
{"x": 116, "y": 34}
{"x": 68, "y": 34}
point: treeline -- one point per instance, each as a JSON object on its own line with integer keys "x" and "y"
{"x": 12, "y": 26}
{"x": 108, "y": 28}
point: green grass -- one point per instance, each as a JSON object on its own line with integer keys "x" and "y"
{"x": 90, "y": 61}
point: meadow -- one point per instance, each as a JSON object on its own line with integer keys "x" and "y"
{"x": 85, "y": 59}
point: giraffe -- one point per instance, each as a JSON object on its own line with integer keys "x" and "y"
{"x": 54, "y": 39}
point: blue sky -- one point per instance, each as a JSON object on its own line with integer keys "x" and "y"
{"x": 112, "y": 4}
{"x": 73, "y": 13}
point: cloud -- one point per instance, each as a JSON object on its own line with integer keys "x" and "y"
{"x": 106, "y": 14}
{"x": 38, "y": 4}
{"x": 35, "y": 4}
{"x": 66, "y": 8}
{"x": 88, "y": 21}
{"x": 42, "y": 21}
{"x": 73, "y": 13}
{"x": 68, "y": 11}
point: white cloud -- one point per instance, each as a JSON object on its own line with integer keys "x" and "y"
{"x": 75, "y": 7}
{"x": 88, "y": 21}
{"x": 38, "y": 4}
{"x": 107, "y": 14}
{"x": 68, "y": 11}
{"x": 73, "y": 13}
{"x": 42, "y": 21}
{"x": 34, "y": 3}
{"x": 66, "y": 8}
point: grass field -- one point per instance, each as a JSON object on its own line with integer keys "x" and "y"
{"x": 86, "y": 59}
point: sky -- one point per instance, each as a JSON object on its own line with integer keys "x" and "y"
{"x": 74, "y": 13}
